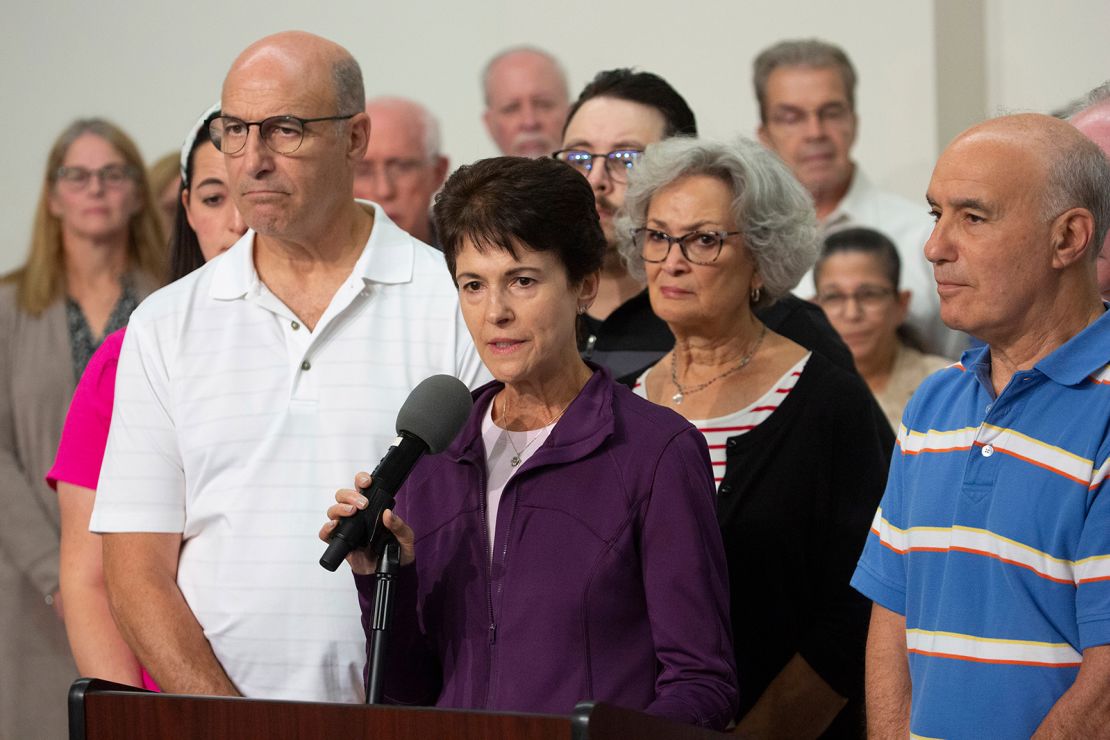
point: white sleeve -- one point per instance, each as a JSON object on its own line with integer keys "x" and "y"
{"x": 142, "y": 481}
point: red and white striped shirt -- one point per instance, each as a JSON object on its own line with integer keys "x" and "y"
{"x": 719, "y": 429}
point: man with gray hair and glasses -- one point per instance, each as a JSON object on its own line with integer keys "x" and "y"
{"x": 806, "y": 90}
{"x": 249, "y": 390}
{"x": 403, "y": 167}
{"x": 1093, "y": 121}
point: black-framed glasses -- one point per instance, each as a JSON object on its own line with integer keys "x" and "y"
{"x": 868, "y": 298}
{"x": 699, "y": 247}
{"x": 617, "y": 162}
{"x": 282, "y": 134}
{"x": 110, "y": 176}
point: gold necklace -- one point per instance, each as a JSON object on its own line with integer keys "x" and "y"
{"x": 682, "y": 392}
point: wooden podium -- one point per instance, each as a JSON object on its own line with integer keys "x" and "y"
{"x": 102, "y": 710}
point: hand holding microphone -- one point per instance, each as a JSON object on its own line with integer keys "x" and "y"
{"x": 429, "y": 419}
{"x": 364, "y": 561}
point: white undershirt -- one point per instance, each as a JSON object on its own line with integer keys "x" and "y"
{"x": 500, "y": 451}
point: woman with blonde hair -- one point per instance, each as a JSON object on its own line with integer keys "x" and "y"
{"x": 96, "y": 250}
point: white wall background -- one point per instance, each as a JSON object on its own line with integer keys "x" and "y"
{"x": 153, "y": 66}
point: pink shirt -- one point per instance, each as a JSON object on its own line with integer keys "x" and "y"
{"x": 85, "y": 434}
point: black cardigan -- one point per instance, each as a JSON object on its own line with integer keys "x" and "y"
{"x": 795, "y": 505}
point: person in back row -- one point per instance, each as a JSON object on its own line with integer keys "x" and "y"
{"x": 97, "y": 249}
{"x": 858, "y": 277}
{"x": 616, "y": 117}
{"x": 806, "y": 90}
{"x": 206, "y": 224}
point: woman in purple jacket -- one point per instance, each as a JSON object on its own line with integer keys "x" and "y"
{"x": 564, "y": 547}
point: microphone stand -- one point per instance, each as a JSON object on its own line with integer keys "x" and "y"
{"x": 388, "y": 564}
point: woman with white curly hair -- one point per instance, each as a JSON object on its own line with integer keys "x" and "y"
{"x": 798, "y": 445}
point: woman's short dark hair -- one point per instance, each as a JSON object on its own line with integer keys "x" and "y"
{"x": 511, "y": 202}
{"x": 865, "y": 241}
{"x": 185, "y": 254}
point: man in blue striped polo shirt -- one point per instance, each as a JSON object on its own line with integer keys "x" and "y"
{"x": 989, "y": 558}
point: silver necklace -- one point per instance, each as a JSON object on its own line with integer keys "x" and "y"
{"x": 516, "y": 459}
{"x": 682, "y": 392}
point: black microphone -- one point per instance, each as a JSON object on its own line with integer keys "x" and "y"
{"x": 429, "y": 419}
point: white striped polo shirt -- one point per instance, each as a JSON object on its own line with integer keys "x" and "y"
{"x": 234, "y": 425}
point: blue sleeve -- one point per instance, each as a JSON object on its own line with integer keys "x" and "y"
{"x": 1092, "y": 601}
{"x": 881, "y": 572}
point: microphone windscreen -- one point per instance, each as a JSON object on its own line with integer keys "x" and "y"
{"x": 435, "y": 411}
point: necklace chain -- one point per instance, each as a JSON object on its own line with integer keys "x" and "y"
{"x": 683, "y": 392}
{"x": 516, "y": 459}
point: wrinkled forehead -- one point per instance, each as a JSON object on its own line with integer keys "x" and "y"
{"x": 993, "y": 169}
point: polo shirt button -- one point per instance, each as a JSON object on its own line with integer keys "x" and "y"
{"x": 295, "y": 326}
{"x": 725, "y": 489}
{"x": 988, "y": 450}
{"x": 306, "y": 365}
{"x": 989, "y": 406}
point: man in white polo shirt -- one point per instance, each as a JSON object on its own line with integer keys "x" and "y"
{"x": 253, "y": 388}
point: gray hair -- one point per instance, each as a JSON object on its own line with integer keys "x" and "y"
{"x": 1098, "y": 96}
{"x": 802, "y": 53}
{"x": 428, "y": 122}
{"x": 772, "y": 210}
{"x": 1092, "y": 99}
{"x": 517, "y": 50}
{"x": 350, "y": 94}
{"x": 1079, "y": 177}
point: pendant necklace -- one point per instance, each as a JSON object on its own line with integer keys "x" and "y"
{"x": 516, "y": 459}
{"x": 683, "y": 392}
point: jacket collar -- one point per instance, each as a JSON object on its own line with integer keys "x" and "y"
{"x": 584, "y": 426}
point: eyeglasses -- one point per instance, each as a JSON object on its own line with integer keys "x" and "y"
{"x": 617, "y": 163}
{"x": 867, "y": 298}
{"x": 832, "y": 114}
{"x": 282, "y": 134}
{"x": 392, "y": 169}
{"x": 110, "y": 176}
{"x": 699, "y": 247}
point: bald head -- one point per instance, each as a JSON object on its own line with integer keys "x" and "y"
{"x": 526, "y": 101}
{"x": 397, "y": 114}
{"x": 1065, "y": 166}
{"x": 299, "y": 52}
{"x": 1019, "y": 202}
{"x": 1094, "y": 123}
{"x": 293, "y": 181}
{"x": 403, "y": 167}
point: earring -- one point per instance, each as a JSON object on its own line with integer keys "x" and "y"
{"x": 754, "y": 295}
{"x": 581, "y": 310}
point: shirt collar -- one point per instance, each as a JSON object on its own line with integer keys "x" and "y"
{"x": 1069, "y": 364}
{"x": 1081, "y": 356}
{"x": 389, "y": 257}
{"x": 850, "y": 206}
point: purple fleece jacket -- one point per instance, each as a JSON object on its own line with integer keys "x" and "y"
{"x": 608, "y": 579}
